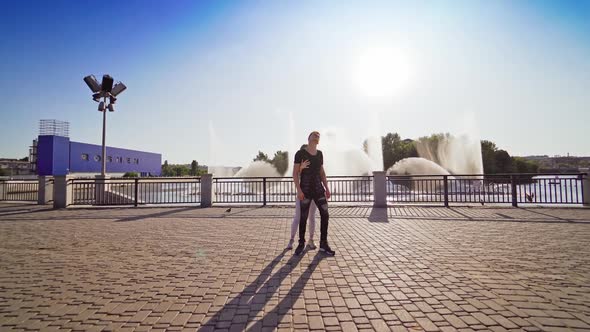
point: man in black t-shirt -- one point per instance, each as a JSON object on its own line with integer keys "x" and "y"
{"x": 312, "y": 185}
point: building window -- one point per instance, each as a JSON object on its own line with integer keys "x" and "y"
{"x": 110, "y": 159}
{"x": 136, "y": 160}
{"x": 85, "y": 156}
{"x": 129, "y": 160}
{"x": 97, "y": 158}
{"x": 119, "y": 159}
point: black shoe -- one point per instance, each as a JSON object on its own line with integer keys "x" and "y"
{"x": 326, "y": 248}
{"x": 300, "y": 248}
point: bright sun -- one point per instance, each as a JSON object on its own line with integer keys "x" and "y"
{"x": 382, "y": 72}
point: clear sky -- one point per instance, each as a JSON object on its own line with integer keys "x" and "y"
{"x": 217, "y": 81}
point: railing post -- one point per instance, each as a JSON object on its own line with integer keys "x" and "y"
{"x": 101, "y": 190}
{"x": 206, "y": 190}
{"x": 264, "y": 191}
{"x": 136, "y": 191}
{"x": 586, "y": 189}
{"x": 446, "y": 185}
{"x": 379, "y": 189}
{"x": 513, "y": 191}
{"x": 2, "y": 190}
{"x": 45, "y": 194}
{"x": 62, "y": 192}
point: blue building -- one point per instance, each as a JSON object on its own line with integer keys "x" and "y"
{"x": 57, "y": 155}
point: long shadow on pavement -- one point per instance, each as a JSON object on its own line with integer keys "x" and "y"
{"x": 274, "y": 317}
{"x": 243, "y": 308}
{"x": 155, "y": 215}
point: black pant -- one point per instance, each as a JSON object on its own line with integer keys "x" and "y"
{"x": 322, "y": 203}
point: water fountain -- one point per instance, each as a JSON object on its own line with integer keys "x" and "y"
{"x": 458, "y": 155}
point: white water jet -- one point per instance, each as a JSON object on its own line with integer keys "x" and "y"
{"x": 374, "y": 143}
{"x": 416, "y": 166}
{"x": 214, "y": 146}
{"x": 258, "y": 168}
{"x": 459, "y": 155}
{"x": 342, "y": 157}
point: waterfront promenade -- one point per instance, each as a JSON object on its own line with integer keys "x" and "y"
{"x": 401, "y": 268}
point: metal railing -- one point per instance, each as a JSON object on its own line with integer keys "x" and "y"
{"x": 135, "y": 191}
{"x": 550, "y": 189}
{"x": 263, "y": 190}
{"x": 351, "y": 188}
{"x": 242, "y": 190}
{"x": 19, "y": 190}
{"x": 515, "y": 189}
{"x": 497, "y": 188}
{"x": 417, "y": 188}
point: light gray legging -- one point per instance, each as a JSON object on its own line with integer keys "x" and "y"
{"x": 311, "y": 218}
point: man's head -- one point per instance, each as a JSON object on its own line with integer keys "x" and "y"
{"x": 314, "y": 137}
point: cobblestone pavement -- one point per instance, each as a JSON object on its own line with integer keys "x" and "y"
{"x": 401, "y": 268}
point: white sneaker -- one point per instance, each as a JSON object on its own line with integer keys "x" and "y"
{"x": 311, "y": 245}
{"x": 290, "y": 245}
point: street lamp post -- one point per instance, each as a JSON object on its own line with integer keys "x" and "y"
{"x": 103, "y": 170}
{"x": 103, "y": 91}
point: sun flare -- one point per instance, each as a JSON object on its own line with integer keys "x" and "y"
{"x": 382, "y": 72}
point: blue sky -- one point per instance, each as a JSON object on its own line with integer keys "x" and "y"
{"x": 217, "y": 81}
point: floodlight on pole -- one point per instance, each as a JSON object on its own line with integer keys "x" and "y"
{"x": 107, "y": 83}
{"x": 103, "y": 91}
{"x": 118, "y": 88}
{"x": 92, "y": 83}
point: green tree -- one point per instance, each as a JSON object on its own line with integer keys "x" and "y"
{"x": 488, "y": 156}
{"x": 261, "y": 156}
{"x": 396, "y": 149}
{"x": 281, "y": 161}
{"x": 175, "y": 170}
{"x": 166, "y": 168}
{"x": 503, "y": 162}
{"x": 180, "y": 170}
{"x": 390, "y": 144}
{"x": 533, "y": 166}
{"x": 2, "y": 172}
{"x": 194, "y": 168}
{"x": 522, "y": 165}
{"x": 131, "y": 175}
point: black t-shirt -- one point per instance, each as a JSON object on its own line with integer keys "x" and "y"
{"x": 310, "y": 179}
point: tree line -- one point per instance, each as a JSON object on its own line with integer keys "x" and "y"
{"x": 191, "y": 169}
{"x": 394, "y": 148}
